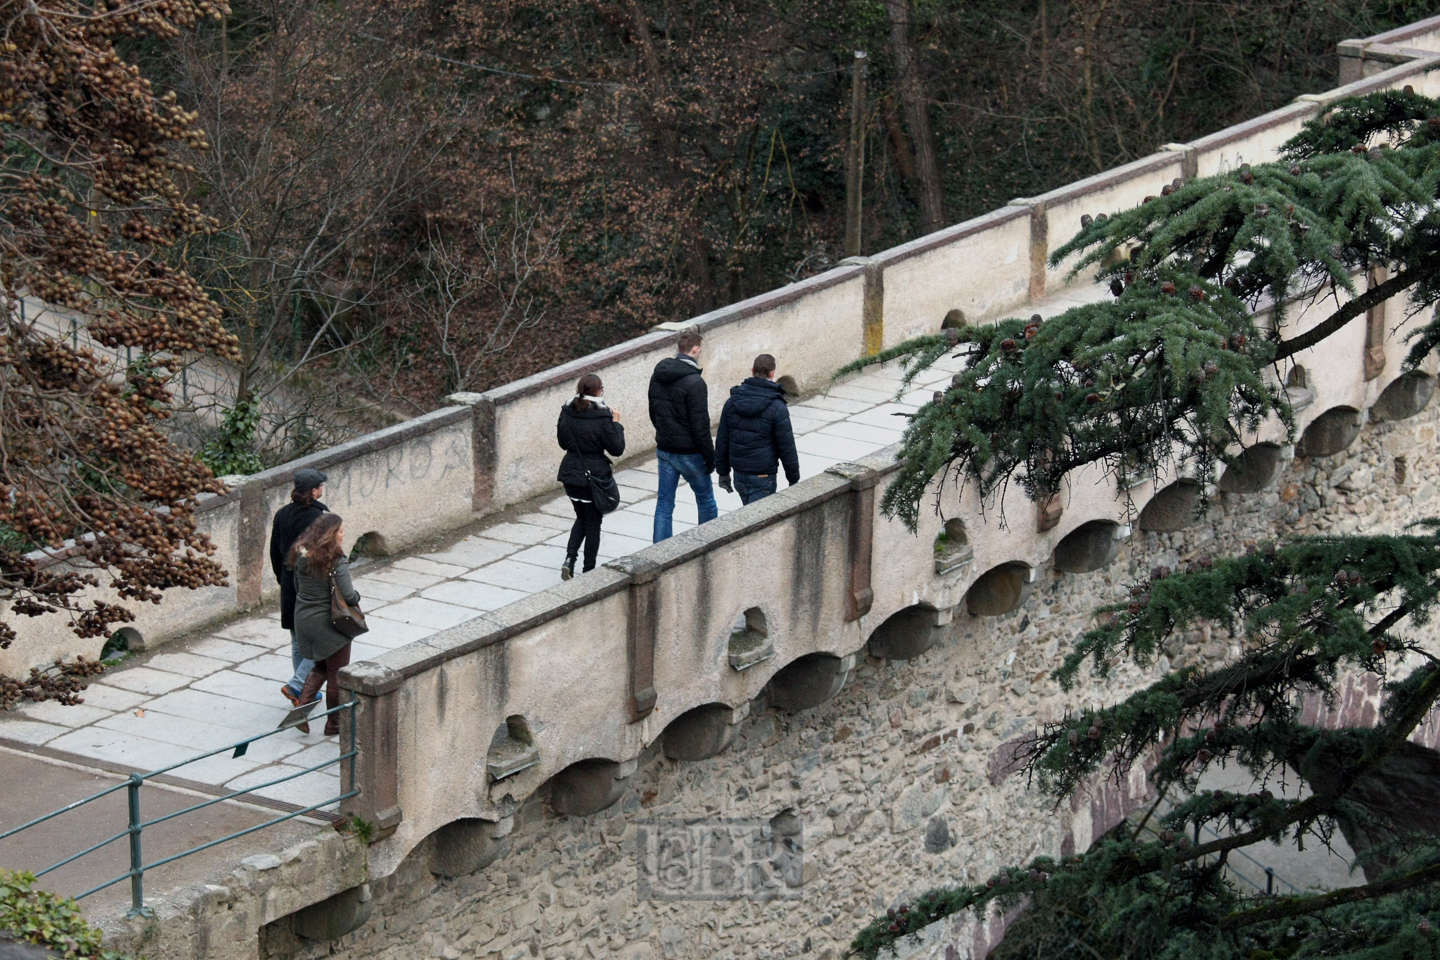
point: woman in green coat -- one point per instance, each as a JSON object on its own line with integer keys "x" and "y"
{"x": 318, "y": 559}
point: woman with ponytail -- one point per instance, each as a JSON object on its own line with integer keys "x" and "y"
{"x": 587, "y": 431}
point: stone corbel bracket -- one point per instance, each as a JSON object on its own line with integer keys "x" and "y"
{"x": 863, "y": 480}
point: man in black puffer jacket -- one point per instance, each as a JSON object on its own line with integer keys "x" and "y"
{"x": 680, "y": 411}
{"x": 755, "y": 435}
{"x": 291, "y": 520}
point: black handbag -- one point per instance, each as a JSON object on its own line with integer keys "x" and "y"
{"x": 347, "y": 620}
{"x": 604, "y": 493}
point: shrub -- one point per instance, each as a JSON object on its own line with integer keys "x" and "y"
{"x": 46, "y": 919}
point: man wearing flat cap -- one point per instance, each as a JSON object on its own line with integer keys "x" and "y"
{"x": 291, "y": 520}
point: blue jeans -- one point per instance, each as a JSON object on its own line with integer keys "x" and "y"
{"x": 752, "y": 486}
{"x": 673, "y": 466}
{"x": 300, "y": 665}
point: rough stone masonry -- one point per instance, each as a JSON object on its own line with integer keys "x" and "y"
{"x": 899, "y": 781}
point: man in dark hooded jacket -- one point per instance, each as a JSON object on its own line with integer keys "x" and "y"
{"x": 755, "y": 435}
{"x": 680, "y": 411}
{"x": 291, "y": 520}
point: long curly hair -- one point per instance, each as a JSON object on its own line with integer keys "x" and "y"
{"x": 319, "y": 545}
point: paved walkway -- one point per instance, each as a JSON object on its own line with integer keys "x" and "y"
{"x": 195, "y": 696}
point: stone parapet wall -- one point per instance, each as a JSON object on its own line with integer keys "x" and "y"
{"x": 1360, "y": 59}
{"x": 404, "y": 483}
{"x": 814, "y": 327}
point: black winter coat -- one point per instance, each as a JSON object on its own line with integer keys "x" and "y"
{"x": 586, "y": 436}
{"x": 680, "y": 409}
{"x": 290, "y": 521}
{"x": 755, "y": 431}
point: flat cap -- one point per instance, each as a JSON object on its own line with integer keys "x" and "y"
{"x": 308, "y": 479}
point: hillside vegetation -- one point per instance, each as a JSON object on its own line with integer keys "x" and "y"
{"x": 417, "y": 198}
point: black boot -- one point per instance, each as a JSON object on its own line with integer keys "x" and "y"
{"x": 567, "y": 569}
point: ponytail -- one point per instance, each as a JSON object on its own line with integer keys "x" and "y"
{"x": 589, "y": 386}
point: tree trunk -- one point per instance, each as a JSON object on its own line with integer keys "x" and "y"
{"x": 1389, "y": 802}
{"x": 904, "y": 159}
{"x": 917, "y": 116}
{"x": 640, "y": 24}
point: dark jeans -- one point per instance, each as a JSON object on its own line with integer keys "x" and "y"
{"x": 326, "y": 671}
{"x": 672, "y": 467}
{"x": 586, "y": 528}
{"x": 752, "y": 486}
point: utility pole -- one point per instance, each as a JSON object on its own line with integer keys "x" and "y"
{"x": 855, "y": 159}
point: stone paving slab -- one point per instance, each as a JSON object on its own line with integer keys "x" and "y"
{"x": 422, "y": 612}
{"x": 55, "y": 713}
{"x": 384, "y": 591}
{"x": 391, "y": 634}
{"x": 195, "y": 696}
{"x": 32, "y": 731}
{"x": 478, "y": 596}
{"x": 106, "y": 697}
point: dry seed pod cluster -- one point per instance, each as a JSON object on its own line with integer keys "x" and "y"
{"x": 86, "y": 219}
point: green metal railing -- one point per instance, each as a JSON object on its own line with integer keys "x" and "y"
{"x": 1271, "y": 877}
{"x": 136, "y": 825}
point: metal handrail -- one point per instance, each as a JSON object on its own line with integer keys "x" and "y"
{"x": 77, "y": 856}
{"x": 1270, "y": 877}
{"x": 136, "y": 824}
{"x": 259, "y": 786}
{"x": 65, "y": 809}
